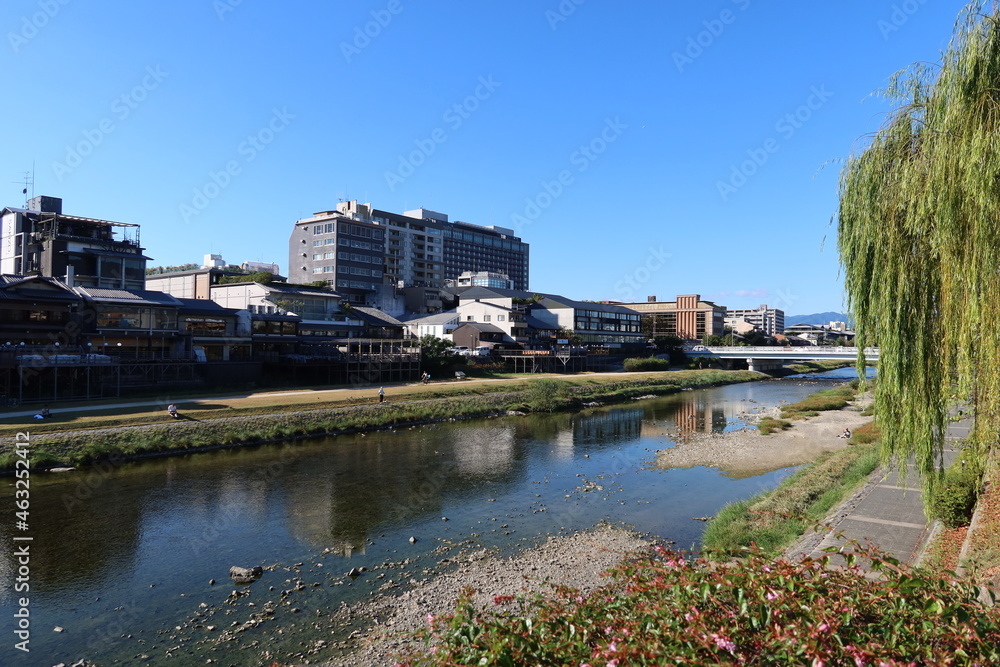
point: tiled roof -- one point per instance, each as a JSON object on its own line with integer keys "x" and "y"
{"x": 376, "y": 316}
{"x": 146, "y": 297}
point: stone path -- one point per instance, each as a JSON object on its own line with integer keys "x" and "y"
{"x": 888, "y": 512}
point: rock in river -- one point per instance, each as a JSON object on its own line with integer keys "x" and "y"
{"x": 242, "y": 575}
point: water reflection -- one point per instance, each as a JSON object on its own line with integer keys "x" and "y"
{"x": 606, "y": 427}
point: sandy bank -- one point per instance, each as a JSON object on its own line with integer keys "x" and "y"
{"x": 746, "y": 452}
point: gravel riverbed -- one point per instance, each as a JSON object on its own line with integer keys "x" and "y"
{"x": 577, "y": 560}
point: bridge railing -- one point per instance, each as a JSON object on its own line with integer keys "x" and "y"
{"x": 791, "y": 351}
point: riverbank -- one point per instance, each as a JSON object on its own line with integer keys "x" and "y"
{"x": 579, "y": 561}
{"x": 208, "y": 424}
{"x": 747, "y": 452}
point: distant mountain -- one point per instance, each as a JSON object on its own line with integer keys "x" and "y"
{"x": 815, "y": 318}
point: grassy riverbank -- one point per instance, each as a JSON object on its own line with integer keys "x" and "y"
{"x": 775, "y": 519}
{"x": 104, "y": 432}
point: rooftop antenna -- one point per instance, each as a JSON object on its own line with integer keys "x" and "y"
{"x": 29, "y": 182}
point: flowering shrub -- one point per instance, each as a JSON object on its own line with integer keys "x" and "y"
{"x": 668, "y": 609}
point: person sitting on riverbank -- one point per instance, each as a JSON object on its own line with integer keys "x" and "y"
{"x": 846, "y": 434}
{"x": 172, "y": 411}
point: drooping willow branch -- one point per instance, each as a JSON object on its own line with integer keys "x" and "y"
{"x": 919, "y": 238}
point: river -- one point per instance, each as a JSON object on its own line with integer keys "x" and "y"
{"x": 121, "y": 558}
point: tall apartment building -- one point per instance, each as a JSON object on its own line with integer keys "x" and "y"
{"x": 421, "y": 250}
{"x": 767, "y": 320}
{"x": 469, "y": 247}
{"x": 342, "y": 248}
{"x": 87, "y": 252}
{"x": 414, "y": 259}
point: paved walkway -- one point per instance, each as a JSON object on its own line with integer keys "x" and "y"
{"x": 888, "y": 513}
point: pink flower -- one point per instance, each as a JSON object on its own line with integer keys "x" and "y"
{"x": 613, "y": 647}
{"x": 724, "y": 643}
{"x": 824, "y": 627}
{"x": 772, "y": 595}
{"x": 430, "y": 620}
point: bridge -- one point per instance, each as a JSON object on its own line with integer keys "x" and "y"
{"x": 769, "y": 357}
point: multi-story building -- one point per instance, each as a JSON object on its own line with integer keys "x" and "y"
{"x": 342, "y": 248}
{"x": 596, "y": 324}
{"x": 40, "y": 240}
{"x": 528, "y": 319}
{"x": 505, "y": 309}
{"x": 767, "y": 320}
{"x": 414, "y": 259}
{"x": 420, "y": 250}
{"x": 688, "y": 318}
{"x": 469, "y": 247}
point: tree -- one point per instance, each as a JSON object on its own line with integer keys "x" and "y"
{"x": 437, "y": 354}
{"x": 920, "y": 245}
{"x": 756, "y": 338}
{"x": 262, "y": 277}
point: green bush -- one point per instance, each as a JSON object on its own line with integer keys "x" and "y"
{"x": 768, "y": 425}
{"x": 545, "y": 395}
{"x": 647, "y": 364}
{"x": 953, "y": 498}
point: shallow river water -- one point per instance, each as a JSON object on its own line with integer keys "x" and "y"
{"x": 122, "y": 557}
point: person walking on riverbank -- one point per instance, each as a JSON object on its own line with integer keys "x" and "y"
{"x": 381, "y": 394}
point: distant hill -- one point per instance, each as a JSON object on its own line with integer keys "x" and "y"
{"x": 815, "y": 318}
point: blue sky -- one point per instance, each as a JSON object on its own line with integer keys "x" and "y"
{"x": 643, "y": 148}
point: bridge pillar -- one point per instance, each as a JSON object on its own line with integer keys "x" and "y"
{"x": 762, "y": 365}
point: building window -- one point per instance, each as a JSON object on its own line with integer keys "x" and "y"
{"x": 486, "y": 318}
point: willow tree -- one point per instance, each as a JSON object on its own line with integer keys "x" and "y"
{"x": 919, "y": 238}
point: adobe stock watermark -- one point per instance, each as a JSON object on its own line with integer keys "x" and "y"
{"x": 786, "y": 127}
{"x": 901, "y": 13}
{"x": 32, "y": 25}
{"x": 223, "y": 7}
{"x": 121, "y": 108}
{"x": 247, "y": 150}
{"x": 562, "y": 13}
{"x": 579, "y": 162}
{"x": 454, "y": 116}
{"x": 364, "y": 35}
{"x": 628, "y": 287}
{"x": 704, "y": 39}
